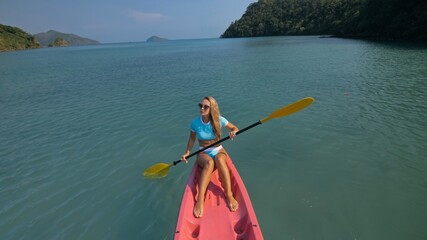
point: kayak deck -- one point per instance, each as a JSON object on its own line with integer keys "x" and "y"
{"x": 217, "y": 222}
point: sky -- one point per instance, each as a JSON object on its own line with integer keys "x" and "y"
{"x": 111, "y": 21}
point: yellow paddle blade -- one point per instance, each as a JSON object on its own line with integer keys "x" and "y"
{"x": 157, "y": 171}
{"x": 288, "y": 110}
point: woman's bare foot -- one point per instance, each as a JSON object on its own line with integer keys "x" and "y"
{"x": 232, "y": 203}
{"x": 198, "y": 208}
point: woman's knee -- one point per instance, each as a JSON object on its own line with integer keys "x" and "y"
{"x": 205, "y": 161}
{"x": 221, "y": 160}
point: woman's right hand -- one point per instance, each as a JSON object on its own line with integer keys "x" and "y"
{"x": 184, "y": 157}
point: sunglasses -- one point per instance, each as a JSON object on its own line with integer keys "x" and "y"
{"x": 205, "y": 107}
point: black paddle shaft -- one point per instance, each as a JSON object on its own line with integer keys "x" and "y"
{"x": 220, "y": 141}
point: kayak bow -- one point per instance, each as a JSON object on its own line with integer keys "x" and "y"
{"x": 217, "y": 222}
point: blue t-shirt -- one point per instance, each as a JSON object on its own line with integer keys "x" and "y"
{"x": 204, "y": 130}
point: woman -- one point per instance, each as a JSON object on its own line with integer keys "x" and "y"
{"x": 207, "y": 128}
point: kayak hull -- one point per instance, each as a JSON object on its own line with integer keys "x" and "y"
{"x": 217, "y": 222}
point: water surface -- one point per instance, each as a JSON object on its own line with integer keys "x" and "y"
{"x": 79, "y": 124}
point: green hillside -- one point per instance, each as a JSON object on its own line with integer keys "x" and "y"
{"x": 380, "y": 19}
{"x": 13, "y": 38}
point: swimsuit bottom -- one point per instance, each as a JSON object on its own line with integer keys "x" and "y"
{"x": 212, "y": 152}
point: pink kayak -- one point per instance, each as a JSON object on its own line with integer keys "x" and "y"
{"x": 217, "y": 222}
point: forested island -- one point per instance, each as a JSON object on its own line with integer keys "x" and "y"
{"x": 59, "y": 42}
{"x": 376, "y": 19}
{"x": 13, "y": 38}
{"x": 156, "y": 39}
{"x": 55, "y": 38}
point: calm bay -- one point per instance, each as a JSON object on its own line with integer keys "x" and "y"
{"x": 78, "y": 125}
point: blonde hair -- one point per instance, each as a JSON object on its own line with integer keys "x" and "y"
{"x": 214, "y": 114}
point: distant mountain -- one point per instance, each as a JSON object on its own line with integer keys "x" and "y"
{"x": 156, "y": 39}
{"x": 73, "y": 40}
{"x": 13, "y": 38}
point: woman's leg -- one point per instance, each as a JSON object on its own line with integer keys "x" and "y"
{"x": 207, "y": 165}
{"x": 224, "y": 175}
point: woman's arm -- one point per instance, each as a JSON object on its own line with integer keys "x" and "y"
{"x": 190, "y": 145}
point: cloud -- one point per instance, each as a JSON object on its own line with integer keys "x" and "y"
{"x": 147, "y": 17}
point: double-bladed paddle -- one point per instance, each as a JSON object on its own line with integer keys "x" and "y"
{"x": 162, "y": 169}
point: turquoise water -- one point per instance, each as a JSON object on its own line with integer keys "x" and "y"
{"x": 79, "y": 124}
